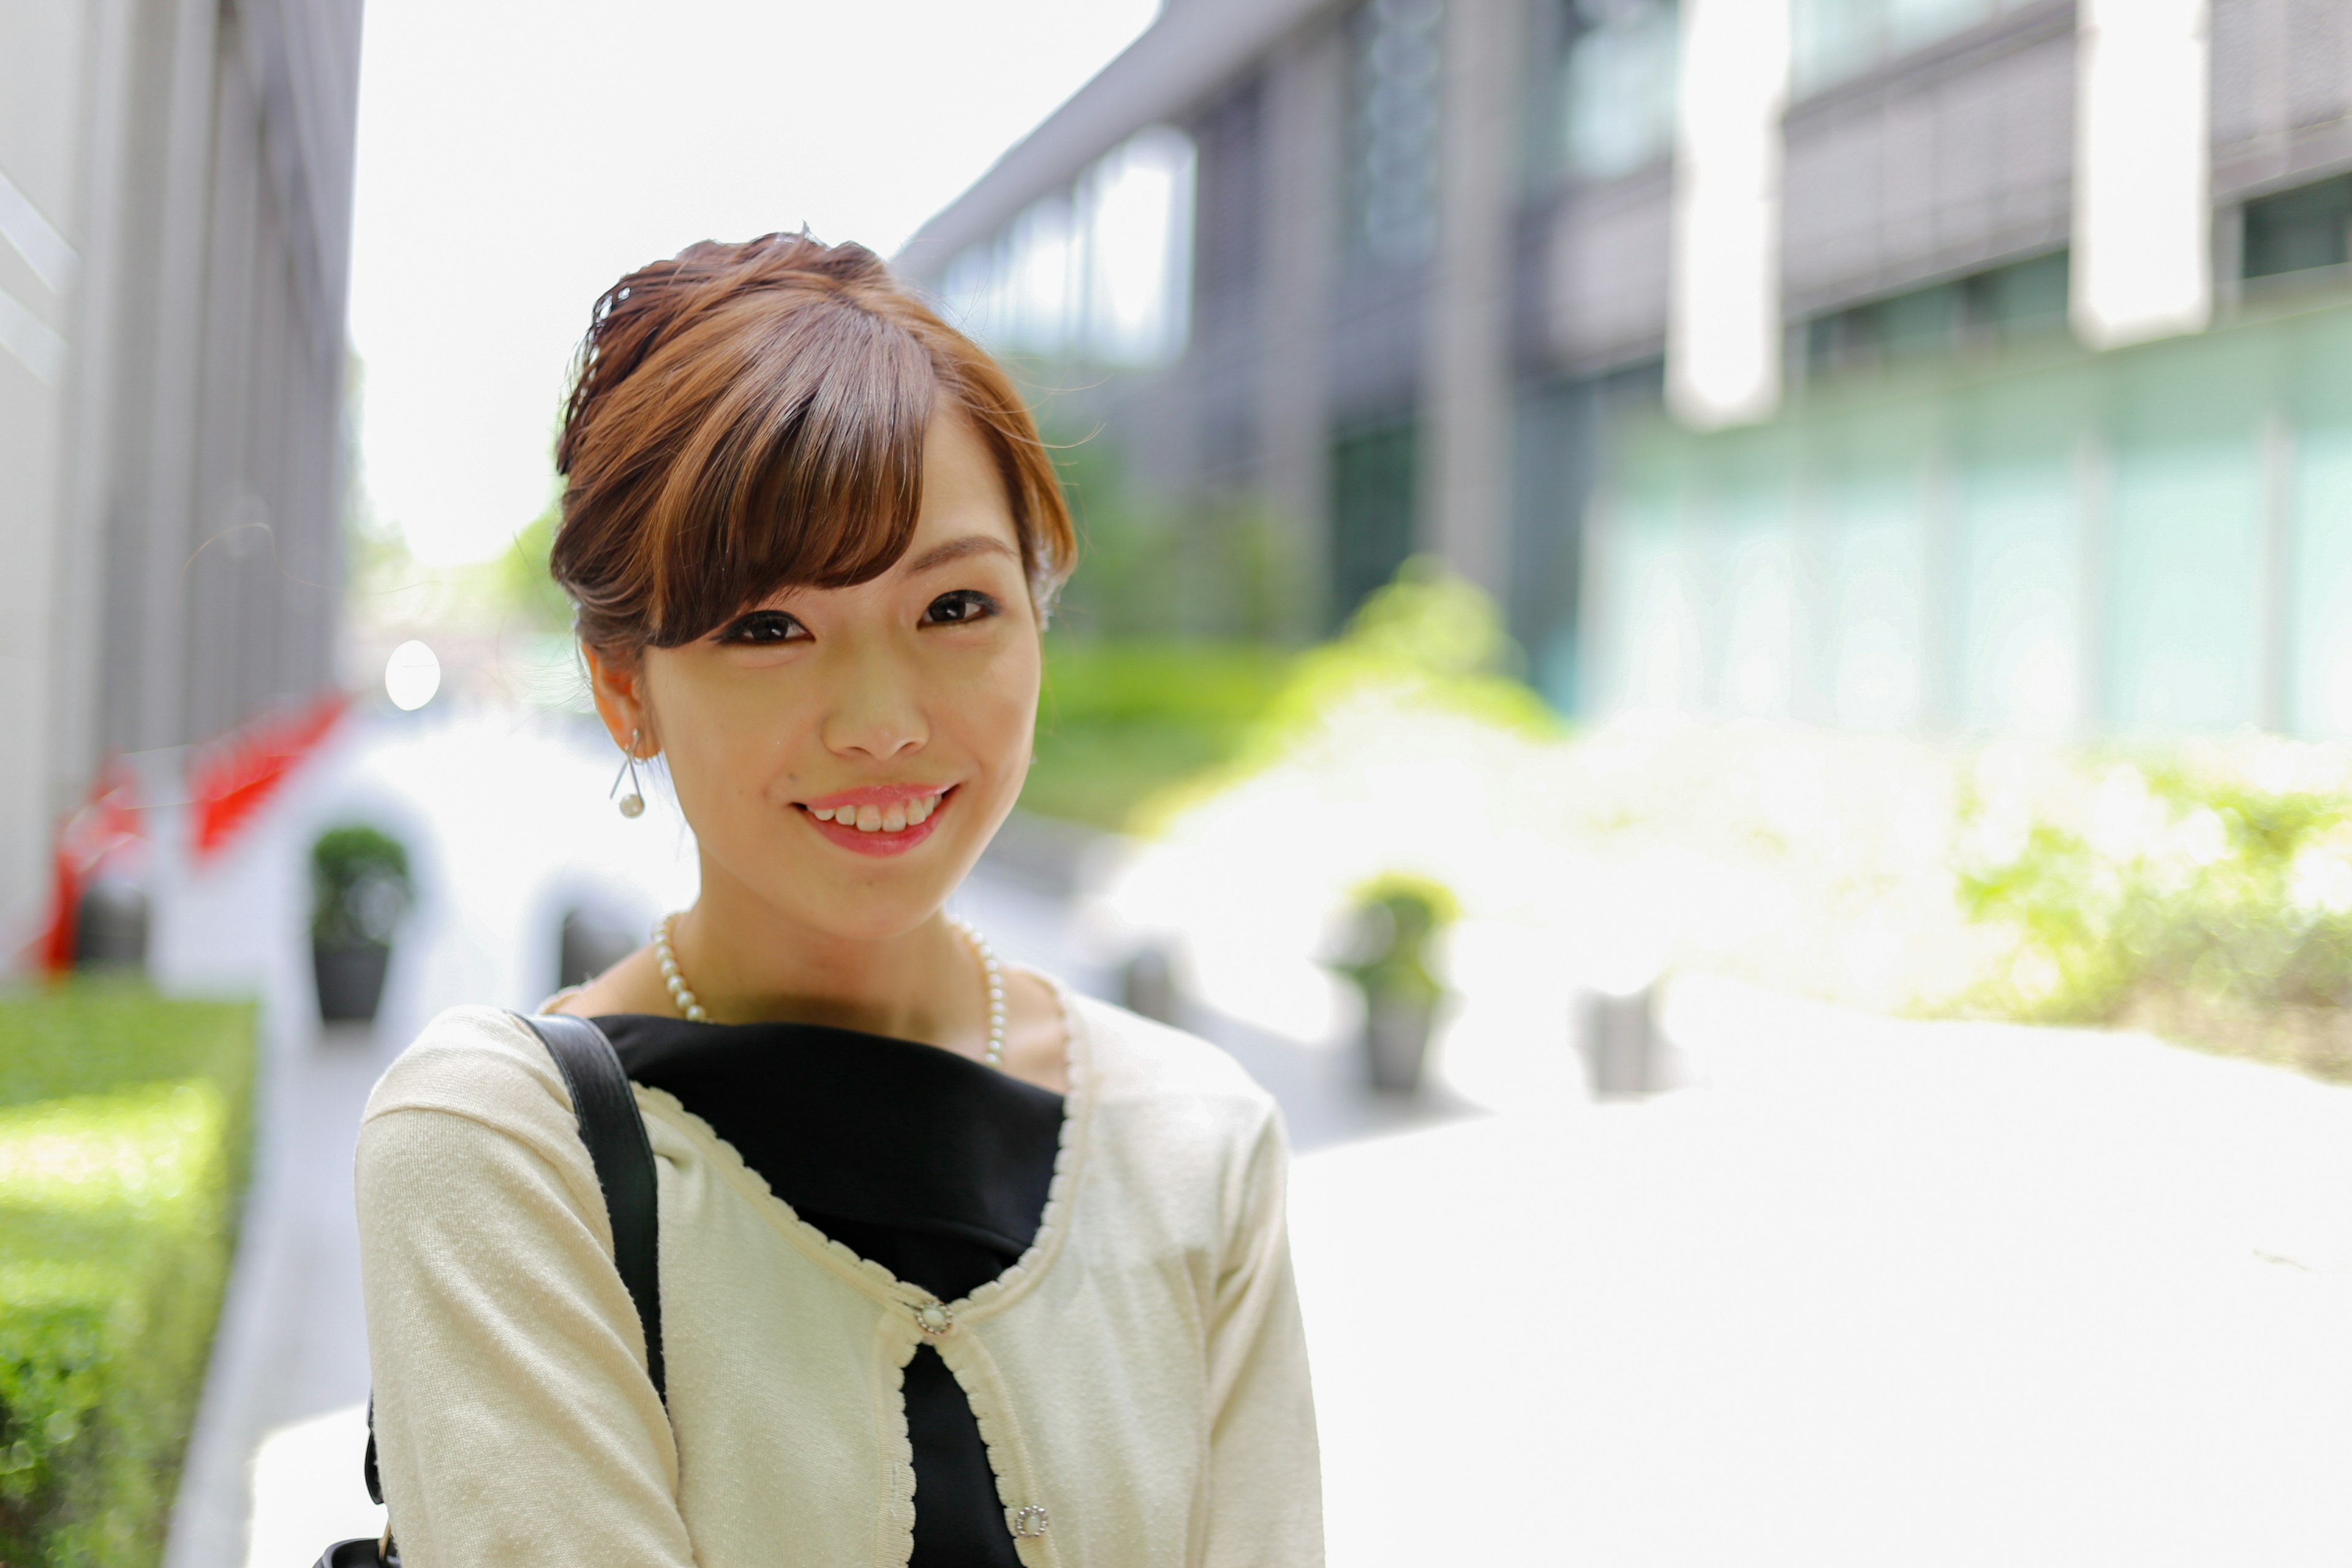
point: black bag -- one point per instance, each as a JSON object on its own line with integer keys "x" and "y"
{"x": 616, "y": 1136}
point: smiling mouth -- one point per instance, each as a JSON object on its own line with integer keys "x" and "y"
{"x": 893, "y": 817}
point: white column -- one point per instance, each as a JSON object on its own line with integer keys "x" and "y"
{"x": 2143, "y": 225}
{"x": 1306, "y": 101}
{"x": 177, "y": 358}
{"x": 1723, "y": 322}
{"x": 2276, "y": 617}
{"x": 42, "y": 367}
{"x": 79, "y": 633}
{"x": 1467, "y": 443}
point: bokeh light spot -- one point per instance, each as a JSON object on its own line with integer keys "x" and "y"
{"x": 411, "y": 676}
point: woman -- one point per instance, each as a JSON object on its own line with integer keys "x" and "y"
{"x": 956, "y": 1267}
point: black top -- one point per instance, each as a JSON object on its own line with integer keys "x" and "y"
{"x": 933, "y": 1165}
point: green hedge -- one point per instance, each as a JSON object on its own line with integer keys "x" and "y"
{"x": 124, "y": 1136}
{"x": 1118, "y": 722}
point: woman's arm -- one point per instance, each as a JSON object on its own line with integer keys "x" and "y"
{"x": 515, "y": 1422}
{"x": 1266, "y": 1502}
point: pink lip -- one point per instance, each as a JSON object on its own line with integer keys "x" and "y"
{"x": 879, "y": 843}
{"x": 875, "y": 795}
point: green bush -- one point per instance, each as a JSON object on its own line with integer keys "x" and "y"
{"x": 1393, "y": 919}
{"x": 1118, "y": 722}
{"x": 2203, "y": 892}
{"x": 1130, "y": 732}
{"x": 359, "y": 887}
{"x": 1156, "y": 564}
{"x": 124, "y": 1134}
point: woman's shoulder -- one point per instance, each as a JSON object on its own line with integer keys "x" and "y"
{"x": 1129, "y": 1058}
{"x": 480, "y": 1062}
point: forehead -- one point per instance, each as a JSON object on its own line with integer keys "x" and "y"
{"x": 963, "y": 488}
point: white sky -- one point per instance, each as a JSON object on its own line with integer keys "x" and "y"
{"x": 516, "y": 158}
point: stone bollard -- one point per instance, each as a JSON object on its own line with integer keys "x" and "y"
{"x": 1623, "y": 1056}
{"x": 590, "y": 942}
{"x": 1147, "y": 983}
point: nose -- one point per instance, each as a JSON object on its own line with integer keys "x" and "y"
{"x": 876, "y": 714}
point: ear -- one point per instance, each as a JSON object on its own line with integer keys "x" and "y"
{"x": 619, "y": 691}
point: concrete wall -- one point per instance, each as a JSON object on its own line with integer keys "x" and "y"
{"x": 170, "y": 451}
{"x": 2282, "y": 92}
{"x": 1939, "y": 164}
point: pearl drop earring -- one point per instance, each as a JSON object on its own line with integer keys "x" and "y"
{"x": 634, "y": 803}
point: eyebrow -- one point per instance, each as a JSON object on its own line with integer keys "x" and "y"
{"x": 957, "y": 549}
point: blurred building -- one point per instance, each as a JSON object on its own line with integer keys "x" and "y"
{"x": 175, "y": 202}
{"x": 1935, "y": 364}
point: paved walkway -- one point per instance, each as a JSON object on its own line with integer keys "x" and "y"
{"x": 1870, "y": 1293}
{"x": 1874, "y": 1293}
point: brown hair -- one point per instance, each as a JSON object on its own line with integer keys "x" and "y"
{"x": 746, "y": 418}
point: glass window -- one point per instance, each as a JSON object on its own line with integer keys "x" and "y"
{"x": 1100, "y": 273}
{"x": 1617, "y": 78}
{"x": 1372, "y": 488}
{"x": 1996, "y": 305}
{"x": 1392, "y": 129}
{"x": 2297, "y": 230}
{"x": 1834, "y": 39}
{"x": 2024, "y": 296}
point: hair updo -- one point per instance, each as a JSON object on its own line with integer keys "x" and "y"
{"x": 748, "y": 417}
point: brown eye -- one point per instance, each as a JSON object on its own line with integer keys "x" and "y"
{"x": 764, "y": 628}
{"x": 957, "y": 608}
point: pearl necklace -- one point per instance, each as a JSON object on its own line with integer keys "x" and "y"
{"x": 690, "y": 1007}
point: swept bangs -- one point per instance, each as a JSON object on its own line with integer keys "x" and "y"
{"x": 751, "y": 417}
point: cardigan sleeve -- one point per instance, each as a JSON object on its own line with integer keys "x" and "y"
{"x": 1266, "y": 1481}
{"x": 515, "y": 1422}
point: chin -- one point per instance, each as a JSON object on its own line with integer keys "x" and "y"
{"x": 873, "y": 900}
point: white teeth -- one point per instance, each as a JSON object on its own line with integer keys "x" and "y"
{"x": 895, "y": 818}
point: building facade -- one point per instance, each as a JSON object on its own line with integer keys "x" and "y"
{"x": 1967, "y": 364}
{"x": 175, "y": 204}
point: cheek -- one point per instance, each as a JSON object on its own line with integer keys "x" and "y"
{"x": 1000, "y": 715}
{"x": 729, "y": 740}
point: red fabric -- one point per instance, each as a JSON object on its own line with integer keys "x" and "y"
{"x": 227, "y": 783}
{"x": 233, "y": 778}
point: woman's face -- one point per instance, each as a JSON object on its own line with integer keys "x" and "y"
{"x": 844, "y": 754}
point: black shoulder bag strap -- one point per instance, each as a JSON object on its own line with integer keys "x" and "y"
{"x": 624, "y": 1158}
{"x": 617, "y": 1147}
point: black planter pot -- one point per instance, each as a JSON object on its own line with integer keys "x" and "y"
{"x": 111, "y": 927}
{"x": 1396, "y": 1040}
{"x": 351, "y": 979}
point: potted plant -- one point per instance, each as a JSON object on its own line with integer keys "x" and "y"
{"x": 359, "y": 890}
{"x": 1391, "y": 922}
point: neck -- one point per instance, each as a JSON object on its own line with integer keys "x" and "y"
{"x": 749, "y": 962}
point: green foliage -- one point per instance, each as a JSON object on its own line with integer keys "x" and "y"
{"x": 2206, "y": 892}
{"x": 358, "y": 885}
{"x": 124, "y": 1131}
{"x": 1120, "y": 721}
{"x": 524, "y": 587}
{"x": 1393, "y": 919}
{"x": 1130, "y": 732}
{"x": 1428, "y": 640}
{"x": 1153, "y": 569}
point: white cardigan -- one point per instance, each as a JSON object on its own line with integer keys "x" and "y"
{"x": 1139, "y": 1376}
